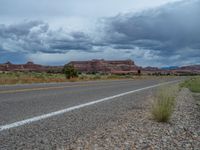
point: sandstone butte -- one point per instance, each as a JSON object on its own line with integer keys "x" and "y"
{"x": 100, "y": 66}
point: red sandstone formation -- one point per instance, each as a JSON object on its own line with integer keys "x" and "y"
{"x": 104, "y": 66}
{"x": 29, "y": 66}
{"x": 156, "y": 71}
{"x": 184, "y": 70}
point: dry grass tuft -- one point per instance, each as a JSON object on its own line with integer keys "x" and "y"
{"x": 163, "y": 104}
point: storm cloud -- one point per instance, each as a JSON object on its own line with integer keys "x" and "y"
{"x": 36, "y": 36}
{"x": 165, "y": 35}
{"x": 170, "y": 30}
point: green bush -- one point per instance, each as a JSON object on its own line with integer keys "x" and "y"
{"x": 70, "y": 71}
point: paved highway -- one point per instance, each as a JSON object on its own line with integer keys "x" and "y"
{"x": 46, "y": 116}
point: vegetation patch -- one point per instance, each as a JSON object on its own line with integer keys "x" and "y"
{"x": 193, "y": 84}
{"x": 69, "y": 75}
{"x": 163, "y": 103}
{"x": 30, "y": 77}
{"x": 70, "y": 72}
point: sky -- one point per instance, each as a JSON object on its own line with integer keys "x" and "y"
{"x": 54, "y": 32}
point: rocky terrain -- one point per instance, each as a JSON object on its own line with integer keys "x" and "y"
{"x": 137, "y": 130}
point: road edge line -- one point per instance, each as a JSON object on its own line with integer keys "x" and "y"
{"x": 59, "y": 112}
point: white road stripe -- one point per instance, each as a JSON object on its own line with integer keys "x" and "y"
{"x": 41, "y": 117}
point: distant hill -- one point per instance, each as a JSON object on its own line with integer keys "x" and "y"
{"x": 170, "y": 67}
{"x": 188, "y": 70}
{"x": 105, "y": 66}
{"x": 192, "y": 67}
{"x": 30, "y": 66}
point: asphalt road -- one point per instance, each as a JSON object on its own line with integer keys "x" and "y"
{"x": 26, "y": 102}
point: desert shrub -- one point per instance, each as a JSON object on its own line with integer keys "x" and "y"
{"x": 30, "y": 77}
{"x": 70, "y": 71}
{"x": 83, "y": 77}
{"x": 96, "y": 77}
{"x": 113, "y": 76}
{"x": 163, "y": 103}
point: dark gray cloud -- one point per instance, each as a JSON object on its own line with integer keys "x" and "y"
{"x": 171, "y": 29}
{"x": 167, "y": 35}
{"x": 36, "y": 36}
{"x": 21, "y": 29}
{"x": 77, "y": 41}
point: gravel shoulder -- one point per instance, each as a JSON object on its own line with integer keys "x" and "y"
{"x": 137, "y": 130}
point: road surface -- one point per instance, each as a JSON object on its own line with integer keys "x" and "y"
{"x": 46, "y": 116}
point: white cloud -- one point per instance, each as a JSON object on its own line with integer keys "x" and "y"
{"x": 77, "y": 13}
{"x": 46, "y": 58}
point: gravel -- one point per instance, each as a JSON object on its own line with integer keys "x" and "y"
{"x": 137, "y": 130}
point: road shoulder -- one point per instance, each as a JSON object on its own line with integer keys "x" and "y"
{"x": 137, "y": 130}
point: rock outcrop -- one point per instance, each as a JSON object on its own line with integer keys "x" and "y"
{"x": 29, "y": 66}
{"x": 105, "y": 66}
